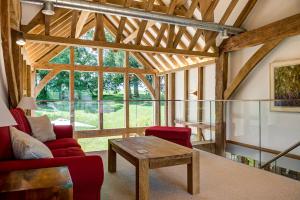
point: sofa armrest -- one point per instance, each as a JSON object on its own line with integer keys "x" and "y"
{"x": 84, "y": 170}
{"x": 63, "y": 131}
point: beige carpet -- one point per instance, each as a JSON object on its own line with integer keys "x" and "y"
{"x": 221, "y": 179}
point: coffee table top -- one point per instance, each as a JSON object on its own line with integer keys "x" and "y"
{"x": 153, "y": 147}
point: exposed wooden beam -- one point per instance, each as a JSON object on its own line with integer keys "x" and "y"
{"x": 122, "y": 23}
{"x": 245, "y": 12}
{"x": 143, "y": 23}
{"x": 221, "y": 82}
{"x": 112, "y": 69}
{"x": 133, "y": 35}
{"x": 260, "y": 54}
{"x": 207, "y": 12}
{"x": 211, "y": 37}
{"x": 172, "y": 97}
{"x": 81, "y": 22}
{"x": 189, "y": 14}
{"x": 7, "y": 52}
{"x": 287, "y": 27}
{"x": 126, "y": 92}
{"x": 108, "y": 45}
{"x": 167, "y": 98}
{"x": 75, "y": 15}
{"x": 200, "y": 64}
{"x": 186, "y": 95}
{"x": 163, "y": 27}
{"x": 99, "y": 34}
{"x": 171, "y": 34}
{"x": 47, "y": 19}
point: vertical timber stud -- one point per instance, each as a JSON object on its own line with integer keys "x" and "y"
{"x": 100, "y": 88}
{"x": 172, "y": 98}
{"x": 200, "y": 103}
{"x": 221, "y": 83}
{"x": 186, "y": 95}
{"x": 126, "y": 89}
{"x": 7, "y": 52}
{"x": 167, "y": 99}
{"x": 72, "y": 89}
{"x": 157, "y": 100}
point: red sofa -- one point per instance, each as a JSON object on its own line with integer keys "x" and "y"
{"x": 86, "y": 171}
{"x": 178, "y": 135}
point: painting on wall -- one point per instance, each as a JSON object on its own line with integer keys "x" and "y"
{"x": 285, "y": 86}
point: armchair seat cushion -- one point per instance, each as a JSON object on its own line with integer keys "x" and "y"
{"x": 169, "y": 132}
{"x": 67, "y": 152}
{"x": 62, "y": 143}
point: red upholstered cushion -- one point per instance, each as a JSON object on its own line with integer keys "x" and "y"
{"x": 169, "y": 132}
{"x": 62, "y": 143}
{"x": 6, "y": 152}
{"x": 23, "y": 124}
{"x": 67, "y": 152}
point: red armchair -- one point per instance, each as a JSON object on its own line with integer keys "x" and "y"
{"x": 86, "y": 171}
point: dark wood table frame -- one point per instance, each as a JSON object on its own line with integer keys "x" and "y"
{"x": 159, "y": 155}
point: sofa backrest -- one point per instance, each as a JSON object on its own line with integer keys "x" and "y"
{"x": 6, "y": 152}
{"x": 23, "y": 124}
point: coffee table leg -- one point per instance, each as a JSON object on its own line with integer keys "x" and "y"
{"x": 193, "y": 174}
{"x": 112, "y": 159}
{"x": 142, "y": 180}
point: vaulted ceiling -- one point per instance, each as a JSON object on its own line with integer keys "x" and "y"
{"x": 149, "y": 34}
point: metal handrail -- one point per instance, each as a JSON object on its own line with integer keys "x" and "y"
{"x": 280, "y": 155}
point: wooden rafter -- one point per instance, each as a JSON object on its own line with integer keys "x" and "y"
{"x": 143, "y": 23}
{"x": 122, "y": 23}
{"x": 84, "y": 15}
{"x": 260, "y": 54}
{"x": 207, "y": 15}
{"x": 189, "y": 14}
{"x": 75, "y": 15}
{"x": 163, "y": 27}
{"x": 99, "y": 34}
{"x": 134, "y": 34}
{"x": 287, "y": 27}
{"x": 47, "y": 19}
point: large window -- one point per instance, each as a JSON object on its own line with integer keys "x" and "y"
{"x": 86, "y": 101}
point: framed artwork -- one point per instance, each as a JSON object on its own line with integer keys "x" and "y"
{"x": 285, "y": 86}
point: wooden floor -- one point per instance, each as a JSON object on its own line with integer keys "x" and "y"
{"x": 219, "y": 179}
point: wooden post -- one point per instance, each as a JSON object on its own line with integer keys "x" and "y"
{"x": 186, "y": 95}
{"x": 157, "y": 101}
{"x": 200, "y": 104}
{"x": 71, "y": 88}
{"x": 221, "y": 83}
{"x": 167, "y": 98}
{"x": 7, "y": 52}
{"x": 126, "y": 90}
{"x": 100, "y": 88}
{"x": 172, "y": 98}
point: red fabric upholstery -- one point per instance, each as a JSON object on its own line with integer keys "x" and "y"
{"x": 6, "y": 152}
{"x": 67, "y": 152}
{"x": 86, "y": 171}
{"x": 62, "y": 143}
{"x": 23, "y": 124}
{"x": 63, "y": 131}
{"x": 179, "y": 135}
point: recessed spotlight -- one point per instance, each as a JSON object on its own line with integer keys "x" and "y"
{"x": 224, "y": 34}
{"x": 48, "y": 8}
{"x": 20, "y": 40}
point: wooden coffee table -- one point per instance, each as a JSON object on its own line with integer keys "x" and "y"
{"x": 148, "y": 152}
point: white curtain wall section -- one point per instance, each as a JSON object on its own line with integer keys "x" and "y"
{"x": 3, "y": 81}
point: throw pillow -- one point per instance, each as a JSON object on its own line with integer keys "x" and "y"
{"x": 41, "y": 128}
{"x": 26, "y": 147}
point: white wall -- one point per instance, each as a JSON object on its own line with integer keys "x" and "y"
{"x": 279, "y": 129}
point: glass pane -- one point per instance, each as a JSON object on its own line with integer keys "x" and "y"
{"x": 113, "y": 105}
{"x": 162, "y": 102}
{"x": 140, "y": 110}
{"x": 134, "y": 63}
{"x": 56, "y": 89}
{"x": 57, "y": 111}
{"x": 95, "y": 144}
{"x": 86, "y": 56}
{"x": 62, "y": 58}
{"x": 86, "y": 101}
{"x": 112, "y": 58}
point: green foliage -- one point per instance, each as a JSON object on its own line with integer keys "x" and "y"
{"x": 62, "y": 58}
